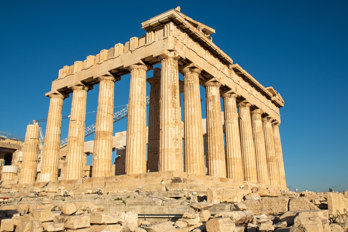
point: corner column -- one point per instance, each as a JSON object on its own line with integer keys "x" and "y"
{"x": 102, "y": 153}
{"x": 154, "y": 121}
{"x": 194, "y": 150}
{"x": 247, "y": 142}
{"x": 50, "y": 155}
{"x": 279, "y": 153}
{"x": 260, "y": 149}
{"x": 216, "y": 151}
{"x": 136, "y": 124}
{"x": 76, "y": 134}
{"x": 233, "y": 149}
{"x": 170, "y": 157}
{"x": 30, "y": 155}
{"x": 270, "y": 152}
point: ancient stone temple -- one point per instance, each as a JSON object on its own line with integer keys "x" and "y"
{"x": 241, "y": 141}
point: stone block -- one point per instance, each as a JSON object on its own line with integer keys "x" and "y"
{"x": 336, "y": 228}
{"x": 220, "y": 225}
{"x": 29, "y": 226}
{"x": 310, "y": 221}
{"x": 7, "y": 225}
{"x": 130, "y": 219}
{"x": 268, "y": 205}
{"x": 335, "y": 203}
{"x": 180, "y": 224}
{"x": 103, "y": 228}
{"x": 42, "y": 215}
{"x": 105, "y": 218}
{"x": 77, "y": 222}
{"x": 301, "y": 204}
{"x": 218, "y": 195}
{"x": 237, "y": 217}
{"x": 160, "y": 227}
{"x": 204, "y": 215}
{"x": 68, "y": 208}
{"x": 52, "y": 227}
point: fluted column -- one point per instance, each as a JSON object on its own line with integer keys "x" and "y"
{"x": 247, "y": 142}
{"x": 30, "y": 155}
{"x": 279, "y": 154}
{"x": 170, "y": 158}
{"x": 216, "y": 151}
{"x": 194, "y": 150}
{"x": 102, "y": 153}
{"x": 50, "y": 155}
{"x": 270, "y": 151}
{"x": 234, "y": 162}
{"x": 154, "y": 121}
{"x": 136, "y": 124}
{"x": 76, "y": 134}
{"x": 260, "y": 149}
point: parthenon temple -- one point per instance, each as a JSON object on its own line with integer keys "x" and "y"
{"x": 240, "y": 142}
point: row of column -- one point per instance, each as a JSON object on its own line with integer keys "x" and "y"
{"x": 253, "y": 148}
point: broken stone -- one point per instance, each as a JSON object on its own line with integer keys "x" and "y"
{"x": 52, "y": 227}
{"x": 204, "y": 215}
{"x": 220, "y": 224}
{"x": 42, "y": 215}
{"x": 68, "y": 208}
{"x": 237, "y": 217}
{"x": 29, "y": 226}
{"x": 336, "y": 228}
{"x": 267, "y": 226}
{"x": 102, "y": 228}
{"x": 130, "y": 219}
{"x": 301, "y": 204}
{"x": 310, "y": 221}
{"x": 7, "y": 225}
{"x": 76, "y": 222}
{"x": 253, "y": 196}
{"x": 160, "y": 227}
{"x": 268, "y": 205}
{"x": 181, "y": 224}
{"x": 105, "y": 218}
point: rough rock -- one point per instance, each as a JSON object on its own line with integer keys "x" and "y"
{"x": 7, "y": 225}
{"x": 42, "y": 215}
{"x": 218, "y": 195}
{"x": 204, "y": 215}
{"x": 52, "y": 227}
{"x": 181, "y": 224}
{"x": 102, "y": 228}
{"x": 268, "y": 205}
{"x": 220, "y": 225}
{"x": 267, "y": 226}
{"x": 336, "y": 228}
{"x": 29, "y": 226}
{"x": 130, "y": 219}
{"x": 310, "y": 221}
{"x": 301, "y": 204}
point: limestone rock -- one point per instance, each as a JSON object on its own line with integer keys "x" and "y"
{"x": 160, "y": 227}
{"x": 102, "y": 228}
{"x": 76, "y": 222}
{"x": 253, "y": 196}
{"x": 220, "y": 225}
{"x": 105, "y": 218}
{"x": 266, "y": 227}
{"x": 218, "y": 195}
{"x": 52, "y": 227}
{"x": 301, "y": 204}
{"x": 310, "y": 221}
{"x": 268, "y": 205}
{"x": 68, "y": 208}
{"x": 288, "y": 217}
{"x": 336, "y": 228}
{"x": 130, "y": 219}
{"x": 181, "y": 224}
{"x": 204, "y": 215}
{"x": 42, "y": 215}
{"x": 237, "y": 217}
{"x": 7, "y": 225}
{"x": 29, "y": 226}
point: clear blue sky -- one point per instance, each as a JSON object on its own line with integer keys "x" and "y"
{"x": 298, "y": 47}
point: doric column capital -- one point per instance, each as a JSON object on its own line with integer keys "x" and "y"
{"x": 244, "y": 103}
{"x": 230, "y": 94}
{"x": 267, "y": 119}
{"x": 275, "y": 122}
{"x": 169, "y": 54}
{"x": 57, "y": 95}
{"x": 191, "y": 68}
{"x": 106, "y": 77}
{"x": 257, "y": 111}
{"x": 80, "y": 87}
{"x": 213, "y": 83}
{"x": 138, "y": 66}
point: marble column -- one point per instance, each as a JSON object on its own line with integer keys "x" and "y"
{"x": 170, "y": 156}
{"x": 136, "y": 124}
{"x": 260, "y": 149}
{"x": 270, "y": 152}
{"x": 247, "y": 142}
{"x": 234, "y": 161}
{"x": 194, "y": 150}
{"x": 279, "y": 153}
{"x": 216, "y": 150}
{"x": 30, "y": 155}
{"x": 76, "y": 134}
{"x": 102, "y": 153}
{"x": 154, "y": 121}
{"x": 50, "y": 155}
